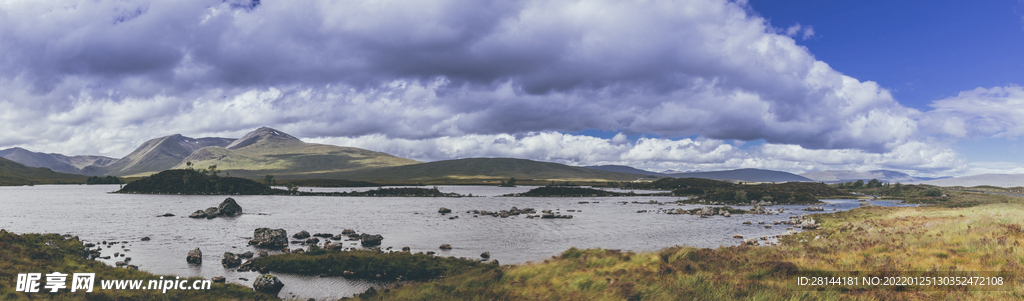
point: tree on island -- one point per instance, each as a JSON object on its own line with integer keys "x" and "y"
{"x": 269, "y": 179}
{"x": 511, "y": 183}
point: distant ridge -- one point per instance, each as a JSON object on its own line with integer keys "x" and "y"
{"x": 156, "y": 155}
{"x": 998, "y": 180}
{"x": 887, "y": 176}
{"x": 267, "y": 151}
{"x": 624, "y": 169}
{"x": 14, "y": 173}
{"x": 481, "y": 169}
{"x": 55, "y": 162}
{"x": 746, "y": 175}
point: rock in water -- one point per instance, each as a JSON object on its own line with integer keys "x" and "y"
{"x": 229, "y": 208}
{"x": 269, "y": 238}
{"x": 230, "y": 260}
{"x": 368, "y": 240}
{"x": 446, "y": 247}
{"x": 268, "y": 284}
{"x": 333, "y": 246}
{"x": 301, "y": 235}
{"x": 219, "y": 279}
{"x": 211, "y": 212}
{"x": 198, "y": 214}
{"x": 195, "y": 256}
{"x": 485, "y": 255}
{"x": 444, "y": 210}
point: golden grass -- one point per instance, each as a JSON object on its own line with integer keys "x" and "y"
{"x": 879, "y": 239}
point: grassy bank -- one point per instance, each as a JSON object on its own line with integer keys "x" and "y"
{"x": 364, "y": 264}
{"x": 986, "y": 236}
{"x": 31, "y": 253}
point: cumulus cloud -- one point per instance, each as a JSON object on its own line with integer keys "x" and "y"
{"x": 87, "y": 77}
{"x": 982, "y": 112}
{"x": 665, "y": 67}
{"x": 658, "y": 154}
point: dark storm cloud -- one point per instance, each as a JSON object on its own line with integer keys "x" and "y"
{"x": 425, "y": 69}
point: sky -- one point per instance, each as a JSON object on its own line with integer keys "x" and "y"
{"x": 930, "y": 88}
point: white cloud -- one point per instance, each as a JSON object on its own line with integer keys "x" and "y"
{"x": 101, "y": 77}
{"x": 983, "y": 112}
{"x": 659, "y": 154}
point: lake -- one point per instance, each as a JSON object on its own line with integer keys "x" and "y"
{"x": 96, "y": 215}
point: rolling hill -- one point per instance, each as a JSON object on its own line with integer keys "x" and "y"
{"x": 484, "y": 169}
{"x": 267, "y": 151}
{"x": 14, "y": 173}
{"x": 55, "y": 162}
{"x": 155, "y": 155}
{"x": 625, "y": 169}
{"x": 745, "y": 174}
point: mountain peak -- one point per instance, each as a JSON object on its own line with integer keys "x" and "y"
{"x": 263, "y": 135}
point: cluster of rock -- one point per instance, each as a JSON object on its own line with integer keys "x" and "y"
{"x": 813, "y": 208}
{"x": 89, "y": 253}
{"x": 702, "y": 212}
{"x": 547, "y": 213}
{"x": 227, "y": 208}
{"x": 504, "y": 213}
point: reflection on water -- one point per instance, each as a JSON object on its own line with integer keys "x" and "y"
{"x": 95, "y": 215}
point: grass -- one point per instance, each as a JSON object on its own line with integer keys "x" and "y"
{"x": 366, "y": 264}
{"x": 985, "y": 236}
{"x": 29, "y": 253}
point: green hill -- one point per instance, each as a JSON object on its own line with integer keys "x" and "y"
{"x": 154, "y": 156}
{"x": 14, "y": 174}
{"x": 267, "y": 151}
{"x": 477, "y": 170}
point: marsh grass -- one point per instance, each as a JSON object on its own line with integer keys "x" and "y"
{"x": 366, "y": 264}
{"x": 983, "y": 237}
{"x": 28, "y": 253}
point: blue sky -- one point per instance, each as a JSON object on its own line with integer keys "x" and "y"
{"x": 930, "y": 88}
{"x": 920, "y": 50}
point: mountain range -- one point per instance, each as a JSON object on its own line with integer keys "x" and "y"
{"x": 998, "y": 180}
{"x": 743, "y": 174}
{"x": 887, "y": 176}
{"x": 266, "y": 151}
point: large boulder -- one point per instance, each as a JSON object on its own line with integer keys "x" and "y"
{"x": 268, "y": 284}
{"x": 229, "y": 208}
{"x": 230, "y": 260}
{"x": 195, "y": 256}
{"x": 269, "y": 238}
{"x": 368, "y": 240}
{"x": 809, "y": 224}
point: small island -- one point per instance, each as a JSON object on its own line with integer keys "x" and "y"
{"x": 207, "y": 182}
